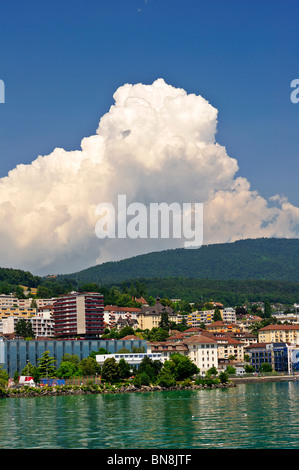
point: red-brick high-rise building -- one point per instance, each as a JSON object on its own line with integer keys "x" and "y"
{"x": 79, "y": 314}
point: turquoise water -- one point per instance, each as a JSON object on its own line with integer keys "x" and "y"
{"x": 259, "y": 416}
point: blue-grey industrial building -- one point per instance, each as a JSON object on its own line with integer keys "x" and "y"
{"x": 16, "y": 354}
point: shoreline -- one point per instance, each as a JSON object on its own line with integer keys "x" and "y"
{"x": 91, "y": 390}
{"x": 67, "y": 390}
{"x": 270, "y": 378}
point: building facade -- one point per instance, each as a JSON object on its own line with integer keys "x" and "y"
{"x": 16, "y": 354}
{"x": 79, "y": 314}
{"x": 202, "y": 351}
{"x": 279, "y": 334}
{"x": 150, "y": 317}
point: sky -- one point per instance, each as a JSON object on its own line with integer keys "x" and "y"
{"x": 200, "y": 93}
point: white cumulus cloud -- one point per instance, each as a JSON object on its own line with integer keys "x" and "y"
{"x": 156, "y": 144}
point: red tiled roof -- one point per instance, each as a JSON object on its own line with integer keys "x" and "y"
{"x": 280, "y": 327}
{"x": 199, "y": 339}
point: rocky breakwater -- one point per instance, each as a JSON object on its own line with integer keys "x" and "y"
{"x": 98, "y": 389}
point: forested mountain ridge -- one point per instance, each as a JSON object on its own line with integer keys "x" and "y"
{"x": 263, "y": 258}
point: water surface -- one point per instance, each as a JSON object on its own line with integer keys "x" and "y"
{"x": 256, "y": 416}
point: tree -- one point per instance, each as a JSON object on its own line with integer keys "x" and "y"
{"x": 182, "y": 367}
{"x": 24, "y": 328}
{"x": 164, "y": 323}
{"x": 267, "y": 309}
{"x": 223, "y": 377}
{"x": 217, "y": 315}
{"x": 126, "y": 331}
{"x": 110, "y": 370}
{"x": 231, "y": 370}
{"x": 165, "y": 378}
{"x": 3, "y": 377}
{"x": 158, "y": 334}
{"x": 46, "y": 365}
{"x": 212, "y": 371}
{"x": 124, "y": 369}
{"x": 266, "y": 367}
{"x": 88, "y": 366}
{"x": 70, "y": 358}
{"x": 150, "y": 367}
{"x": 66, "y": 370}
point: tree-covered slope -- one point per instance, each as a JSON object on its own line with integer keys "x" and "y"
{"x": 266, "y": 258}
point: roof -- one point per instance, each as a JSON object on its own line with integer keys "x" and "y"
{"x": 169, "y": 346}
{"x": 156, "y": 309}
{"x": 193, "y": 329}
{"x": 113, "y": 308}
{"x": 257, "y": 345}
{"x": 131, "y": 337}
{"x": 280, "y": 327}
{"x": 199, "y": 339}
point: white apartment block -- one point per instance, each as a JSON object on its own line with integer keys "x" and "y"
{"x": 42, "y": 325}
{"x": 203, "y": 351}
{"x": 229, "y": 315}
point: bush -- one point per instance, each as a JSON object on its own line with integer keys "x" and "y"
{"x": 165, "y": 379}
{"x": 223, "y": 377}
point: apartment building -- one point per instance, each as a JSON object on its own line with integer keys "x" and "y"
{"x": 113, "y": 315}
{"x": 222, "y": 326}
{"x": 150, "y": 317}
{"x": 279, "y": 334}
{"x": 229, "y": 315}
{"x": 79, "y": 314}
{"x": 202, "y": 351}
{"x": 195, "y": 319}
{"x": 41, "y": 326}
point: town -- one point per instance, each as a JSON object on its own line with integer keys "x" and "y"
{"x": 238, "y": 341}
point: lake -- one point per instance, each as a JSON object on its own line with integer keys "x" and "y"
{"x": 248, "y": 416}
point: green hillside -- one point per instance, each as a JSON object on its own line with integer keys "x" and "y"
{"x": 265, "y": 259}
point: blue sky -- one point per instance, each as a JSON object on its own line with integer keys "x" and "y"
{"x": 62, "y": 61}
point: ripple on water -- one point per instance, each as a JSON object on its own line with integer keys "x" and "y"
{"x": 247, "y": 416}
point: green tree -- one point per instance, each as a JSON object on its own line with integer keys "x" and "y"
{"x": 46, "y": 365}
{"x": 124, "y": 369}
{"x": 266, "y": 367}
{"x": 158, "y": 334}
{"x": 217, "y": 315}
{"x": 150, "y": 367}
{"x": 88, "y": 366}
{"x": 223, "y": 377}
{"x": 24, "y": 328}
{"x": 126, "y": 331}
{"x": 66, "y": 370}
{"x": 212, "y": 371}
{"x": 267, "y": 309}
{"x": 165, "y": 378}
{"x": 110, "y": 370}
{"x": 182, "y": 367}
{"x": 164, "y": 323}
{"x": 3, "y": 377}
{"x": 70, "y": 358}
{"x": 231, "y": 370}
